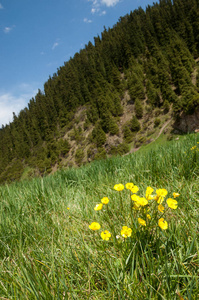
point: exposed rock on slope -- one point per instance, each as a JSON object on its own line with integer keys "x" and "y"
{"x": 187, "y": 123}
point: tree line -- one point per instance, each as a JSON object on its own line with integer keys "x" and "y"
{"x": 151, "y": 53}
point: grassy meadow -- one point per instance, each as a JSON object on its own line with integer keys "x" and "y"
{"x": 48, "y": 250}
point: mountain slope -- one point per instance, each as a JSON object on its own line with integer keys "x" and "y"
{"x": 111, "y": 96}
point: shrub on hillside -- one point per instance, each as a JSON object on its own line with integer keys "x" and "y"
{"x": 91, "y": 152}
{"x": 135, "y": 125}
{"x": 121, "y": 149}
{"x": 101, "y": 154}
{"x": 140, "y": 141}
{"x": 113, "y": 128}
{"x": 63, "y": 147}
{"x": 128, "y": 136}
{"x": 138, "y": 109}
{"x": 79, "y": 155}
{"x": 166, "y": 106}
{"x": 98, "y": 135}
{"x": 157, "y": 122}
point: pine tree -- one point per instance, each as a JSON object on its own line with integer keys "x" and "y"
{"x": 135, "y": 125}
{"x": 138, "y": 109}
{"x": 99, "y": 135}
{"x": 113, "y": 127}
{"x": 127, "y": 134}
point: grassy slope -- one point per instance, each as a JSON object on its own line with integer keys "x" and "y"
{"x": 48, "y": 252}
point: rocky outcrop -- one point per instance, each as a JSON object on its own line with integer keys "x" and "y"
{"x": 187, "y": 123}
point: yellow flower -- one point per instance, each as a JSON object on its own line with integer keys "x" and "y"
{"x": 149, "y": 191}
{"x": 149, "y": 197}
{"x": 94, "y": 226}
{"x": 126, "y": 232}
{"x": 142, "y": 201}
{"x": 163, "y": 224}
{"x": 135, "y": 197}
{"x": 68, "y": 208}
{"x": 141, "y": 222}
{"x": 175, "y": 195}
{"x": 136, "y": 206}
{"x": 129, "y": 185}
{"x": 159, "y": 199}
{"x": 105, "y": 200}
{"x": 134, "y": 189}
{"x": 172, "y": 203}
{"x": 161, "y": 194}
{"x": 160, "y": 207}
{"x": 105, "y": 235}
{"x": 118, "y": 187}
{"x": 98, "y": 206}
{"x": 148, "y": 216}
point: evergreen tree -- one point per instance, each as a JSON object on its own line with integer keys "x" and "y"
{"x": 127, "y": 134}
{"x": 138, "y": 109}
{"x": 98, "y": 135}
{"x": 113, "y": 128}
{"x": 135, "y": 125}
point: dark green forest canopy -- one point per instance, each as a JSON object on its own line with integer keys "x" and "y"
{"x": 150, "y": 53}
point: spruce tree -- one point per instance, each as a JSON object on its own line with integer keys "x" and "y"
{"x": 138, "y": 109}
{"x": 98, "y": 135}
{"x": 135, "y": 125}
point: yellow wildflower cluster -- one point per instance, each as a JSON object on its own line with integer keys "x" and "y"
{"x": 149, "y": 210}
{"x": 195, "y": 147}
{"x": 96, "y": 226}
{"x": 104, "y": 234}
{"x": 119, "y": 187}
{"x": 99, "y": 206}
{"x": 148, "y": 200}
{"x": 126, "y": 232}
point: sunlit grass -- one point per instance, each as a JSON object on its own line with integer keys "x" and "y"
{"x": 48, "y": 251}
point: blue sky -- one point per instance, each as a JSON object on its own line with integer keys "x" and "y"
{"x": 38, "y": 36}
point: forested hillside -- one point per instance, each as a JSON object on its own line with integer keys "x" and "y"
{"x": 139, "y": 73}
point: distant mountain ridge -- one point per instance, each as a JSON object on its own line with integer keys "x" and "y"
{"x": 112, "y": 96}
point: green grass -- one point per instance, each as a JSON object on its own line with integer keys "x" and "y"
{"x": 47, "y": 251}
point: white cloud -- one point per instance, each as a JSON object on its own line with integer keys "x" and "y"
{"x": 103, "y": 13}
{"x": 1, "y": 6}
{"x": 87, "y": 20}
{"x": 14, "y": 102}
{"x": 97, "y": 4}
{"x": 93, "y": 10}
{"x": 55, "y": 45}
{"x": 110, "y": 2}
{"x": 8, "y": 105}
{"x": 7, "y": 29}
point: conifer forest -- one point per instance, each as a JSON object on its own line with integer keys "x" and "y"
{"x": 148, "y": 61}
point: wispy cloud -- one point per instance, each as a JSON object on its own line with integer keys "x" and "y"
{"x": 14, "y": 101}
{"x": 56, "y": 44}
{"x": 10, "y": 104}
{"x": 1, "y": 6}
{"x": 103, "y": 13}
{"x": 110, "y": 2}
{"x": 98, "y": 4}
{"x": 8, "y": 29}
{"x": 93, "y": 10}
{"x": 95, "y": 6}
{"x": 87, "y": 20}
